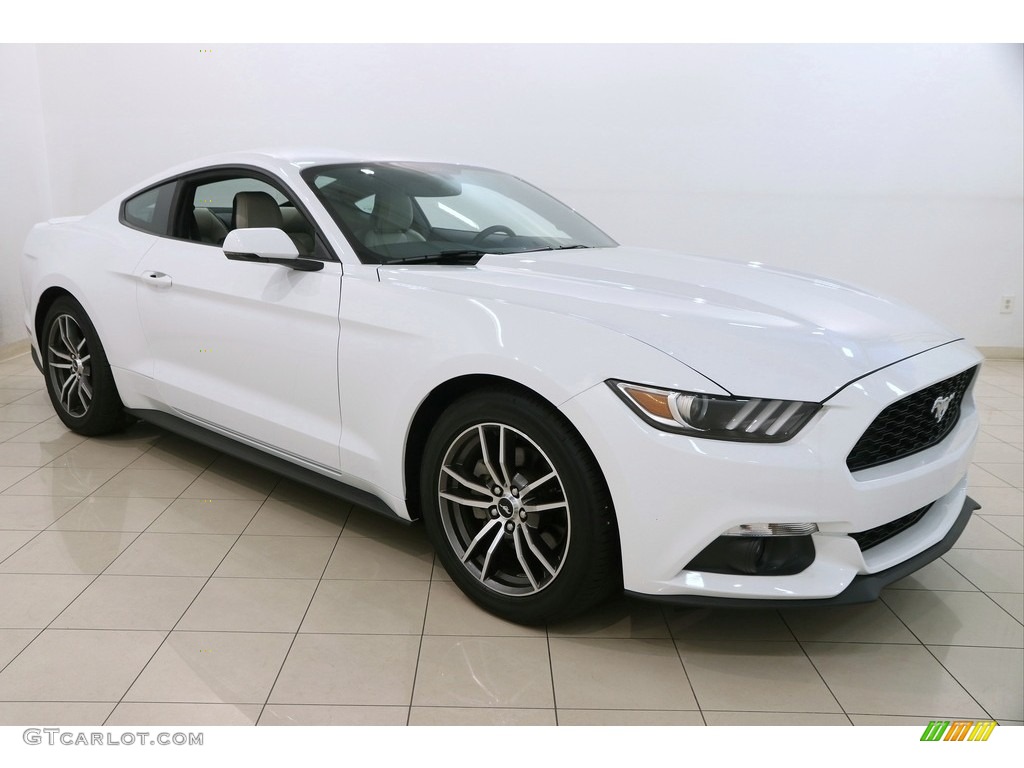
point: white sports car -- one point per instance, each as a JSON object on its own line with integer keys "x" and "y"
{"x": 568, "y": 417}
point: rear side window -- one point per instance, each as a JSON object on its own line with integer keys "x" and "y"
{"x": 149, "y": 210}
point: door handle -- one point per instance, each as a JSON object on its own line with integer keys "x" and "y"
{"x": 157, "y": 279}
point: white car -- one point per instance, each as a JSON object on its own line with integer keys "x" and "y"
{"x": 568, "y": 417}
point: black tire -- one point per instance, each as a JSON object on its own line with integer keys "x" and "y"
{"x": 527, "y": 551}
{"x": 78, "y": 377}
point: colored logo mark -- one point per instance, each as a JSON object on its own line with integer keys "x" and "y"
{"x": 958, "y": 730}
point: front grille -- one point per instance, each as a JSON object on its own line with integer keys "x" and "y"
{"x": 875, "y": 536}
{"x": 911, "y": 424}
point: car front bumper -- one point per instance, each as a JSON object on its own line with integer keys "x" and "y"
{"x": 863, "y": 589}
{"x": 674, "y": 495}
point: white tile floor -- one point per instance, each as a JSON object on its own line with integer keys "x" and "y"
{"x": 145, "y": 579}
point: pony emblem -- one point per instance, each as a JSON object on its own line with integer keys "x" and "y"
{"x": 940, "y": 406}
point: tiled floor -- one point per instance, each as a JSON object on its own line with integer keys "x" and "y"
{"x": 147, "y": 580}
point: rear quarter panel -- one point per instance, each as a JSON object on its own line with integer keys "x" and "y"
{"x": 93, "y": 258}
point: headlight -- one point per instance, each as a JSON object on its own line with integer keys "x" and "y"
{"x": 718, "y": 418}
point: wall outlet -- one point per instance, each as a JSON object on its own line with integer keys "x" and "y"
{"x": 1006, "y": 304}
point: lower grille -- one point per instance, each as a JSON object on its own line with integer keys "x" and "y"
{"x": 912, "y": 424}
{"x": 875, "y": 536}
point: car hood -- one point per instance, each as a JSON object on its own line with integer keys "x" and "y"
{"x": 753, "y": 330}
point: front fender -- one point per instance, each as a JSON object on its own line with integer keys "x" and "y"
{"x": 432, "y": 337}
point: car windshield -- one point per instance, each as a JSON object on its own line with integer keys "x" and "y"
{"x": 429, "y": 213}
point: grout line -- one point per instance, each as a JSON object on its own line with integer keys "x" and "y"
{"x": 551, "y": 672}
{"x": 821, "y": 676}
{"x": 679, "y": 655}
{"x": 419, "y": 648}
{"x": 305, "y": 613}
{"x": 191, "y": 602}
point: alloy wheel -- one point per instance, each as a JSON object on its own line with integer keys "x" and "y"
{"x": 68, "y": 361}
{"x": 504, "y": 509}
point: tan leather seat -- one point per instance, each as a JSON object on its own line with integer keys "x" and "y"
{"x": 211, "y": 229}
{"x": 258, "y": 209}
{"x": 391, "y": 220}
{"x": 296, "y": 225}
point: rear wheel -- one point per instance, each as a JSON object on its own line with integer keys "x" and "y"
{"x": 78, "y": 377}
{"x": 517, "y": 508}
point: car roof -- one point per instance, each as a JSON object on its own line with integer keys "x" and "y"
{"x": 276, "y": 159}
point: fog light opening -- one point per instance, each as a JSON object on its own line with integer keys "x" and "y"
{"x": 754, "y": 554}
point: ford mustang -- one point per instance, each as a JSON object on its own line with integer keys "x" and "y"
{"x": 567, "y": 417}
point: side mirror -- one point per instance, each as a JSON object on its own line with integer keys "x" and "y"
{"x": 267, "y": 245}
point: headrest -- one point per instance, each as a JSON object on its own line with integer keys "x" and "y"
{"x": 256, "y": 209}
{"x": 392, "y": 212}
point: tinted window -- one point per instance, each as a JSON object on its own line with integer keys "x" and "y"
{"x": 149, "y": 210}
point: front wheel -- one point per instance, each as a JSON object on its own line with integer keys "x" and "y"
{"x": 78, "y": 377}
{"x": 517, "y": 508}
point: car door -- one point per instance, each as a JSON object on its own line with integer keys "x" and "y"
{"x": 249, "y": 349}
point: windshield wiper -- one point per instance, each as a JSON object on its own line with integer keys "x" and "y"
{"x": 555, "y": 248}
{"x": 469, "y": 255}
{"x": 444, "y": 257}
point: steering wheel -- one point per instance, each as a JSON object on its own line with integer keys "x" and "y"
{"x": 483, "y": 234}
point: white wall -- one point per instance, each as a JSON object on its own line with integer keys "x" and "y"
{"x": 897, "y": 167}
{"x": 25, "y": 189}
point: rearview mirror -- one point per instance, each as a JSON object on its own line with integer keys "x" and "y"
{"x": 268, "y": 245}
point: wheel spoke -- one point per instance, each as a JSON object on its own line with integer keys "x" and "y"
{"x": 464, "y": 482}
{"x": 478, "y": 503}
{"x": 536, "y": 483}
{"x": 83, "y": 385}
{"x": 65, "y": 336}
{"x": 58, "y": 353}
{"x": 478, "y": 538}
{"x": 485, "y": 454}
{"x": 65, "y": 392}
{"x": 501, "y": 457}
{"x": 536, "y": 552}
{"x": 64, "y": 366}
{"x": 490, "y": 552}
{"x": 544, "y": 507}
{"x": 522, "y": 560}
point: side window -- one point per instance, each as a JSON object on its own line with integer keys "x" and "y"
{"x": 214, "y": 207}
{"x": 149, "y": 210}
